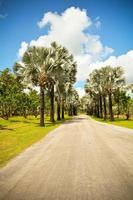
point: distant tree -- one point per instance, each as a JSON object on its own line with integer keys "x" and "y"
{"x": 34, "y": 102}
{"x": 101, "y": 86}
{"x": 9, "y": 88}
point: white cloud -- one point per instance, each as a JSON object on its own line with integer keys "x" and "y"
{"x": 67, "y": 29}
{"x": 23, "y": 48}
{"x": 98, "y": 22}
{"x": 83, "y": 62}
{"x": 125, "y": 60}
{"x": 71, "y": 29}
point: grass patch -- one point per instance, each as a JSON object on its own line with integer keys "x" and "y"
{"x": 17, "y": 133}
{"x": 118, "y": 122}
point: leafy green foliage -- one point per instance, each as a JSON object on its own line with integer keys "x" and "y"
{"x": 106, "y": 93}
{"x": 13, "y": 98}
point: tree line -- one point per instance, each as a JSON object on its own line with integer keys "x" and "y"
{"x": 13, "y": 98}
{"x": 52, "y": 70}
{"x": 106, "y": 93}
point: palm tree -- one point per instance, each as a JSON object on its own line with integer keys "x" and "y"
{"x": 58, "y": 74}
{"x": 103, "y": 72}
{"x": 60, "y": 94}
{"x": 102, "y": 83}
{"x": 64, "y": 76}
{"x": 72, "y": 100}
{"x": 43, "y": 67}
{"x": 35, "y": 69}
{"x": 114, "y": 79}
{"x": 95, "y": 78}
{"x": 92, "y": 88}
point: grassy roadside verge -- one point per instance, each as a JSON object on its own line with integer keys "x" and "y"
{"x": 18, "y": 133}
{"x": 118, "y": 122}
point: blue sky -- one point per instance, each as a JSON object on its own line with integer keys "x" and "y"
{"x": 22, "y": 16}
{"x": 18, "y": 22}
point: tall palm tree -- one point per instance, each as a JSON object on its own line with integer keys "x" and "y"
{"x": 103, "y": 72}
{"x": 72, "y": 100}
{"x": 92, "y": 88}
{"x": 64, "y": 76}
{"x": 43, "y": 67}
{"x": 102, "y": 83}
{"x": 114, "y": 79}
{"x": 95, "y": 78}
{"x": 58, "y": 75}
{"x": 35, "y": 69}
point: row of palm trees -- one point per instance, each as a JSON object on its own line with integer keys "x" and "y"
{"x": 53, "y": 70}
{"x": 101, "y": 88}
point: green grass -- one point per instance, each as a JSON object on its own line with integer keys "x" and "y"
{"x": 118, "y": 122}
{"x": 17, "y": 133}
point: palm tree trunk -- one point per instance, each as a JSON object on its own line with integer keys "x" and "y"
{"x": 69, "y": 110}
{"x": 41, "y": 106}
{"x": 52, "y": 104}
{"x": 97, "y": 108}
{"x": 72, "y": 109}
{"x": 100, "y": 104}
{"x": 110, "y": 107}
{"x": 118, "y": 104}
{"x": 105, "y": 110}
{"x": 91, "y": 110}
{"x": 62, "y": 113}
{"x": 88, "y": 110}
{"x": 75, "y": 110}
{"x": 118, "y": 107}
{"x": 118, "y": 111}
{"x": 58, "y": 110}
{"x": 98, "y": 113}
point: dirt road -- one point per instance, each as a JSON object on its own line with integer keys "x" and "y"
{"x": 81, "y": 160}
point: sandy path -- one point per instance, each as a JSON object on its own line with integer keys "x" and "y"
{"x": 80, "y": 160}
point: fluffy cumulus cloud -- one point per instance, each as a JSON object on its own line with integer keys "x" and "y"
{"x": 67, "y": 29}
{"x": 23, "y": 48}
{"x": 125, "y": 60}
{"x": 71, "y": 29}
